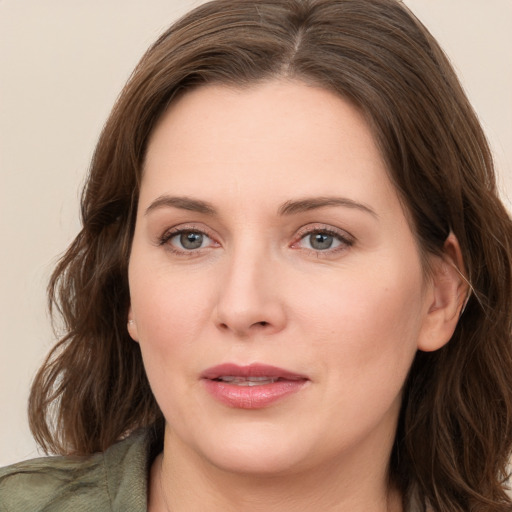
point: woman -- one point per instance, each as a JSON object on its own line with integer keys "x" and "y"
{"x": 292, "y": 290}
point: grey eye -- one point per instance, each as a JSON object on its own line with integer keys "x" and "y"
{"x": 191, "y": 240}
{"x": 321, "y": 241}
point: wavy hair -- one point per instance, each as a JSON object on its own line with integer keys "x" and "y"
{"x": 455, "y": 427}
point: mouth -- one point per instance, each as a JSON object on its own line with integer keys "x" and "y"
{"x": 247, "y": 381}
{"x": 251, "y": 387}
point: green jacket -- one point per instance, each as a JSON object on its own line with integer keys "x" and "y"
{"x": 113, "y": 481}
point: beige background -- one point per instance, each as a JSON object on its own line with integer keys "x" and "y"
{"x": 62, "y": 65}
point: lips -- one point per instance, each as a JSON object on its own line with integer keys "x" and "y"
{"x": 251, "y": 387}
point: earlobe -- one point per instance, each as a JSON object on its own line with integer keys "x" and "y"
{"x": 447, "y": 298}
{"x": 132, "y": 326}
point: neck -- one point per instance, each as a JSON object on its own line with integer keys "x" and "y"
{"x": 182, "y": 482}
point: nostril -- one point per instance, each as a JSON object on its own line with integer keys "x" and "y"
{"x": 244, "y": 328}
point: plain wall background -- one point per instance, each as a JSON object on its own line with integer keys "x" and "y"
{"x": 62, "y": 64}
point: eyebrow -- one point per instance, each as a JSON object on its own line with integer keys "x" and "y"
{"x": 313, "y": 203}
{"x": 287, "y": 208}
{"x": 183, "y": 203}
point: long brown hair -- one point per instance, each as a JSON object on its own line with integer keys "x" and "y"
{"x": 455, "y": 427}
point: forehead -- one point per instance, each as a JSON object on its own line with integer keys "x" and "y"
{"x": 277, "y": 138}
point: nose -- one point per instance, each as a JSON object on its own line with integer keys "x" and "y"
{"x": 250, "y": 300}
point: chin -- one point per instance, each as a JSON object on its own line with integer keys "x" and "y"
{"x": 264, "y": 450}
{"x": 256, "y": 460}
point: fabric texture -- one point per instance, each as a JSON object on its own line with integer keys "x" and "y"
{"x": 112, "y": 481}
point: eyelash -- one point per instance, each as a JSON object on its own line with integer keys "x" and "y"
{"x": 168, "y": 235}
{"x": 346, "y": 240}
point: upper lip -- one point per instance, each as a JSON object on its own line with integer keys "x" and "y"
{"x": 252, "y": 370}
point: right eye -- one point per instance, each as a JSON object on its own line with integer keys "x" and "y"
{"x": 183, "y": 241}
{"x": 322, "y": 241}
{"x": 189, "y": 240}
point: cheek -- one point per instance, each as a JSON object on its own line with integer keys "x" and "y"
{"x": 170, "y": 311}
{"x": 169, "y": 315}
{"x": 167, "y": 305}
{"x": 368, "y": 324}
{"x": 364, "y": 342}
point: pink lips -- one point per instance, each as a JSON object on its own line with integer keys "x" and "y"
{"x": 251, "y": 387}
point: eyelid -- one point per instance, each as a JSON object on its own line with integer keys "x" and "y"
{"x": 345, "y": 237}
{"x": 173, "y": 231}
{"x": 324, "y": 228}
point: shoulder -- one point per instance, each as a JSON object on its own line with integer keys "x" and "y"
{"x": 110, "y": 481}
{"x": 54, "y": 483}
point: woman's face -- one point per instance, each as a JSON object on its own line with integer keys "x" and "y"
{"x": 276, "y": 287}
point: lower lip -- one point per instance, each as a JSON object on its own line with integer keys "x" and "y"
{"x": 252, "y": 397}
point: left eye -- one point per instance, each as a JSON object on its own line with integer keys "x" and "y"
{"x": 321, "y": 241}
{"x": 189, "y": 240}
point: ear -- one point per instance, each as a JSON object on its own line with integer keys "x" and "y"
{"x": 447, "y": 296}
{"x": 132, "y": 326}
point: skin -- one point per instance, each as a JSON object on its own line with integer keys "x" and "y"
{"x": 350, "y": 317}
